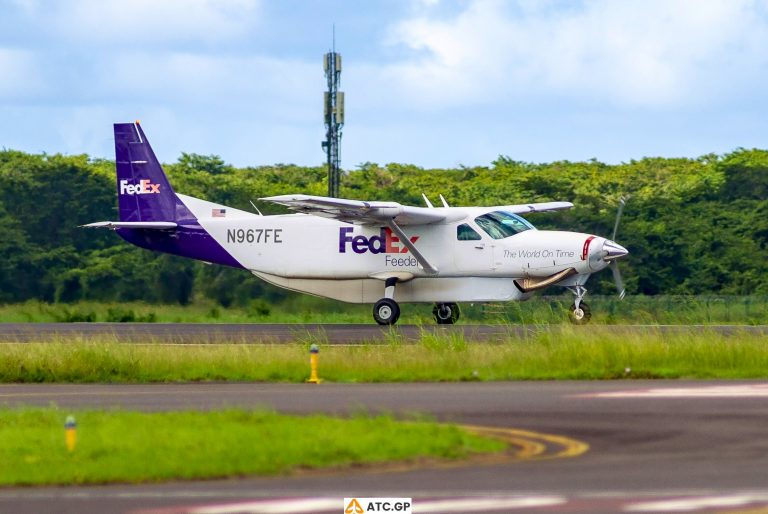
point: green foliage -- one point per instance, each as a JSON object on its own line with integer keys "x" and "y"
{"x": 125, "y": 446}
{"x": 745, "y": 174}
{"x": 298, "y": 308}
{"x": 693, "y": 226}
{"x": 553, "y": 352}
{"x": 120, "y": 314}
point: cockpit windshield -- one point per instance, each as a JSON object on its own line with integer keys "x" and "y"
{"x": 501, "y": 224}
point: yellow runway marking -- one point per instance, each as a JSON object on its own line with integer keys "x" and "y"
{"x": 524, "y": 445}
{"x": 534, "y": 445}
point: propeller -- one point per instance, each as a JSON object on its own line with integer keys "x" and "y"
{"x": 622, "y": 203}
{"x": 614, "y": 264}
{"x": 617, "y": 278}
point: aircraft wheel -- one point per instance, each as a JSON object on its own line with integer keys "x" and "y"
{"x": 386, "y": 311}
{"x": 580, "y": 316}
{"x": 446, "y": 313}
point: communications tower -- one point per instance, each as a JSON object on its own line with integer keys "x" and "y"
{"x": 334, "y": 118}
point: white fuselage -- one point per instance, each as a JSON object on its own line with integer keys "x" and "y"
{"x": 349, "y": 262}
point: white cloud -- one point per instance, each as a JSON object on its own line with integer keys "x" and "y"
{"x": 418, "y": 4}
{"x": 639, "y": 53}
{"x": 459, "y": 81}
{"x": 135, "y": 22}
{"x": 272, "y": 87}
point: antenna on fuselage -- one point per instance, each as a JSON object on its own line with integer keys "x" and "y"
{"x": 429, "y": 204}
{"x": 445, "y": 204}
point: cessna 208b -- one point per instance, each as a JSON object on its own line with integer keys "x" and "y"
{"x": 361, "y": 252}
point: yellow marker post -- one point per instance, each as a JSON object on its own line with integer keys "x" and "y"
{"x": 70, "y": 433}
{"x": 313, "y": 354}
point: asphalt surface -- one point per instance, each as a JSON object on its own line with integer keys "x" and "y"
{"x": 326, "y": 333}
{"x": 655, "y": 446}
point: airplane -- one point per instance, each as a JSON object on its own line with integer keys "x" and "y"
{"x": 375, "y": 252}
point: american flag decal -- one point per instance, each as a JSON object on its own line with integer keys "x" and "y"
{"x": 218, "y": 213}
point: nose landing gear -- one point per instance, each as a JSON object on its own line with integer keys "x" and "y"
{"x": 579, "y": 313}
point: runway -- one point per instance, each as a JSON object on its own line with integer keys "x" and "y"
{"x": 259, "y": 333}
{"x": 654, "y": 446}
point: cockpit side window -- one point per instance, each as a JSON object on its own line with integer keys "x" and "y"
{"x": 466, "y": 233}
{"x": 500, "y": 224}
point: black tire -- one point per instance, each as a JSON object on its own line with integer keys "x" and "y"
{"x": 580, "y": 316}
{"x": 386, "y": 311}
{"x": 446, "y": 313}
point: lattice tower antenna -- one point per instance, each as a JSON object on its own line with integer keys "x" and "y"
{"x": 333, "y": 111}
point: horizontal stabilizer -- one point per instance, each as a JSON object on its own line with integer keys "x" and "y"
{"x": 150, "y": 225}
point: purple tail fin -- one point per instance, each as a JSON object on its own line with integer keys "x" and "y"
{"x": 143, "y": 190}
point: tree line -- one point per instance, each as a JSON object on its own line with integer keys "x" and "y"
{"x": 692, "y": 225}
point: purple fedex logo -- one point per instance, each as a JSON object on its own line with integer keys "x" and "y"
{"x": 385, "y": 242}
{"x": 144, "y": 187}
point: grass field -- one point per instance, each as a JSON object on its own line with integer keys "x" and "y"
{"x": 555, "y": 353}
{"x": 752, "y": 310}
{"x": 121, "y": 446}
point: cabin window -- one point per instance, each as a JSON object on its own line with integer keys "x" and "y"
{"x": 501, "y": 224}
{"x": 466, "y": 233}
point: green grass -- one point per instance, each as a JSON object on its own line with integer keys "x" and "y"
{"x": 304, "y": 309}
{"x": 550, "y": 353}
{"x": 121, "y": 446}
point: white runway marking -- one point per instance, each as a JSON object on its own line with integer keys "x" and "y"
{"x": 485, "y": 504}
{"x": 718, "y": 391}
{"x": 694, "y": 504}
{"x": 333, "y": 505}
{"x": 297, "y": 506}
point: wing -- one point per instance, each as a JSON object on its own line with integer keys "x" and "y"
{"x": 536, "y": 207}
{"x": 359, "y": 212}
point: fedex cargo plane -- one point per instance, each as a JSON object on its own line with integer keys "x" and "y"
{"x": 361, "y": 251}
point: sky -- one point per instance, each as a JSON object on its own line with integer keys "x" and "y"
{"x": 435, "y": 83}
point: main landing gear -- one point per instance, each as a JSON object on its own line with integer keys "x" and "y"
{"x": 386, "y": 311}
{"x": 446, "y": 313}
{"x": 579, "y": 313}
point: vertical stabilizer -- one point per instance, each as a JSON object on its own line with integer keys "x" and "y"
{"x": 143, "y": 191}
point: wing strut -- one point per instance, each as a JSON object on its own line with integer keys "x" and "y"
{"x": 407, "y": 242}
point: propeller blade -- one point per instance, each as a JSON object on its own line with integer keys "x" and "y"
{"x": 617, "y": 278}
{"x": 622, "y": 203}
